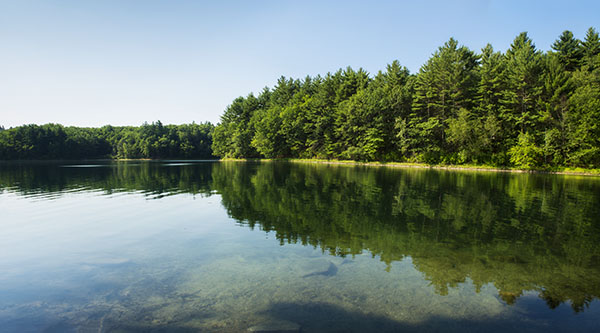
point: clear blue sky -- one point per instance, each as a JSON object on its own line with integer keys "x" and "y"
{"x": 90, "y": 63}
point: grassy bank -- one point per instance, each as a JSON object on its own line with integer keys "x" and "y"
{"x": 558, "y": 171}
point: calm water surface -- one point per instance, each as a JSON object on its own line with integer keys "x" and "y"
{"x": 209, "y": 246}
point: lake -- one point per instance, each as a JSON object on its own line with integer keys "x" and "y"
{"x": 227, "y": 246}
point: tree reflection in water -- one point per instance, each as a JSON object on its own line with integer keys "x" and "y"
{"x": 519, "y": 232}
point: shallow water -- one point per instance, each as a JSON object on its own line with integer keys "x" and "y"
{"x": 224, "y": 246}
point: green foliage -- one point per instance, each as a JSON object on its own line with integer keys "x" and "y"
{"x": 523, "y": 108}
{"x": 590, "y": 48}
{"x": 584, "y": 120}
{"x": 236, "y": 130}
{"x": 523, "y": 85}
{"x": 154, "y": 140}
{"x": 492, "y": 80}
{"x": 568, "y": 50}
{"x": 525, "y": 154}
{"x": 444, "y": 85}
{"x": 465, "y": 135}
{"x": 268, "y": 138}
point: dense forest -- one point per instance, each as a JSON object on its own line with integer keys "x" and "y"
{"x": 52, "y": 141}
{"x": 522, "y": 108}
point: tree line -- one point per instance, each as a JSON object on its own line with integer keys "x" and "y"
{"x": 155, "y": 140}
{"x": 523, "y": 108}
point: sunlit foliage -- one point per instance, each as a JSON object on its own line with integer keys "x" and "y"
{"x": 461, "y": 107}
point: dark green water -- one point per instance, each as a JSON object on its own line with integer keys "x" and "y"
{"x": 208, "y": 246}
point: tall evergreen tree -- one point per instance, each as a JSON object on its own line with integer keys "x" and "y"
{"x": 557, "y": 87}
{"x": 445, "y": 84}
{"x": 297, "y": 120}
{"x": 584, "y": 121}
{"x": 491, "y": 87}
{"x": 590, "y": 48}
{"x": 568, "y": 50}
{"x": 523, "y": 74}
{"x": 390, "y": 95}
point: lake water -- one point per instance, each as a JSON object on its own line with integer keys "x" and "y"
{"x": 226, "y": 246}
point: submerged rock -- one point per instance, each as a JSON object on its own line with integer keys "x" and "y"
{"x": 276, "y": 326}
{"x": 347, "y": 261}
{"x": 319, "y": 267}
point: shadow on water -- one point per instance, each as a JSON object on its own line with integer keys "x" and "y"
{"x": 323, "y": 317}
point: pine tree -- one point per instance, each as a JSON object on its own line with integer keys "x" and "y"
{"x": 523, "y": 85}
{"x": 590, "y": 49}
{"x": 569, "y": 51}
{"x": 492, "y": 80}
{"x": 557, "y": 87}
{"x": 388, "y": 100}
{"x": 492, "y": 84}
{"x": 235, "y": 132}
{"x": 444, "y": 85}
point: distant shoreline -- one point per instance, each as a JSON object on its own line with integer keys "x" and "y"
{"x": 109, "y": 160}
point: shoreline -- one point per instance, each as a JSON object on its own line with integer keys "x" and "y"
{"x": 408, "y": 165}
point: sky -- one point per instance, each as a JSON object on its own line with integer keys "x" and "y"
{"x": 122, "y": 62}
